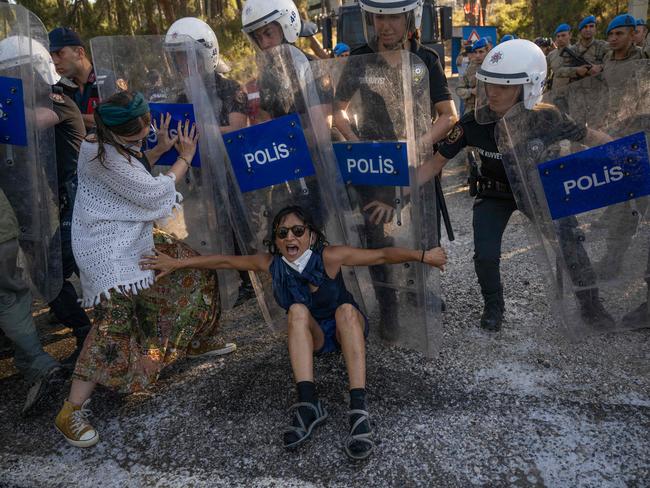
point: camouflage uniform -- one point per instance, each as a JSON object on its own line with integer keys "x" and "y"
{"x": 620, "y": 76}
{"x": 594, "y": 53}
{"x": 466, "y": 83}
{"x": 555, "y": 64}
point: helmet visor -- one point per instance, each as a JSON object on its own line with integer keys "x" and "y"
{"x": 494, "y": 100}
{"x": 390, "y": 31}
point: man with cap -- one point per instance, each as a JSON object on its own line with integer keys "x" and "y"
{"x": 466, "y": 89}
{"x": 556, "y": 61}
{"x": 71, "y": 61}
{"x": 588, "y": 47}
{"x": 620, "y": 60}
{"x": 641, "y": 38}
{"x": 507, "y": 37}
{"x": 341, "y": 50}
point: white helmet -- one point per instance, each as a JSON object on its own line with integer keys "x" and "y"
{"x": 516, "y": 62}
{"x": 20, "y": 50}
{"x": 201, "y": 33}
{"x": 258, "y": 13}
{"x": 412, "y": 8}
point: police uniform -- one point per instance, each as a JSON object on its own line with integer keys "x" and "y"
{"x": 69, "y": 132}
{"x": 495, "y": 202}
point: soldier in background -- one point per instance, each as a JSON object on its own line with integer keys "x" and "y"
{"x": 641, "y": 38}
{"x": 466, "y": 89}
{"x": 589, "y": 48}
{"x": 556, "y": 61}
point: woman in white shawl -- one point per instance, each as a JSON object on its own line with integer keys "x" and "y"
{"x": 139, "y": 326}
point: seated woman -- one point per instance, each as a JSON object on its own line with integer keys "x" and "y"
{"x": 322, "y": 314}
{"x": 139, "y": 326}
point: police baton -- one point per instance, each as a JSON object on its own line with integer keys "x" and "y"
{"x": 442, "y": 209}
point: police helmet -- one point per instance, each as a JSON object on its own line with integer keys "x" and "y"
{"x": 411, "y": 8}
{"x": 201, "y": 33}
{"x": 516, "y": 62}
{"x": 258, "y": 13}
{"x": 21, "y": 50}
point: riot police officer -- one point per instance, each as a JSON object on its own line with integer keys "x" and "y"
{"x": 512, "y": 73}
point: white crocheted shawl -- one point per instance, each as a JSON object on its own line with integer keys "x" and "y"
{"x": 112, "y": 224}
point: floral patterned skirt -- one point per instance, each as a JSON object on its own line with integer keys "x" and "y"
{"x": 135, "y": 336}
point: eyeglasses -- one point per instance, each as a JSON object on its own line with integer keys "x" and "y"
{"x": 296, "y": 230}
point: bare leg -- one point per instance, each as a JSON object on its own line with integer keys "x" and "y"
{"x": 80, "y": 391}
{"x": 349, "y": 333}
{"x": 305, "y": 337}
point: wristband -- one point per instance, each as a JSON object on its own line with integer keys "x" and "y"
{"x": 189, "y": 165}
{"x": 422, "y": 258}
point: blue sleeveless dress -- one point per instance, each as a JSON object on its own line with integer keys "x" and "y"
{"x": 291, "y": 287}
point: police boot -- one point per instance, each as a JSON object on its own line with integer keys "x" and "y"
{"x": 592, "y": 310}
{"x": 639, "y": 317}
{"x": 492, "y": 316}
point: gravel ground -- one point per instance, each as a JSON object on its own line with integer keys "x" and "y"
{"x": 522, "y": 407}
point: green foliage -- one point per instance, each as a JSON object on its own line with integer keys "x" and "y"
{"x": 533, "y": 18}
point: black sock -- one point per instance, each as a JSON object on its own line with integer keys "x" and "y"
{"x": 306, "y": 393}
{"x": 358, "y": 402}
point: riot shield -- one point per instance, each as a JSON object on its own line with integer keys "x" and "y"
{"x": 167, "y": 74}
{"x": 283, "y": 158}
{"x": 381, "y": 118}
{"x": 586, "y": 194}
{"x": 27, "y": 148}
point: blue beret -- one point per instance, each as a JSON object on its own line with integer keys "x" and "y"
{"x": 562, "y": 28}
{"x": 482, "y": 42}
{"x": 623, "y": 20}
{"x": 587, "y": 20}
{"x": 641, "y": 22}
{"x": 507, "y": 37}
{"x": 340, "y": 48}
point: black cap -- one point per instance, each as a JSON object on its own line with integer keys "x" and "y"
{"x": 62, "y": 37}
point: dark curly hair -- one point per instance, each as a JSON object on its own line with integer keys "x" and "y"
{"x": 306, "y": 218}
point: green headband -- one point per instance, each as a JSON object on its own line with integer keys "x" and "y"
{"x": 113, "y": 115}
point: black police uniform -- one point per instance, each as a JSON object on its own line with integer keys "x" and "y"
{"x": 69, "y": 132}
{"x": 495, "y": 204}
{"x": 378, "y": 123}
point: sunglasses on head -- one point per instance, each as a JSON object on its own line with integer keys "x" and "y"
{"x": 296, "y": 230}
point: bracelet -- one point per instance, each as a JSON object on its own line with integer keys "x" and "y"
{"x": 189, "y": 165}
{"x": 422, "y": 258}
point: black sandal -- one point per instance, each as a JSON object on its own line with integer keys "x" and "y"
{"x": 362, "y": 442}
{"x": 304, "y": 431}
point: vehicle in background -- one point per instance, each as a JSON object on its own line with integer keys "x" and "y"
{"x": 436, "y": 24}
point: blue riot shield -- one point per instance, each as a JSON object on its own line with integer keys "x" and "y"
{"x": 381, "y": 112}
{"x": 585, "y": 188}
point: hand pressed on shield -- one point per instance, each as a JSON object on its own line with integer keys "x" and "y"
{"x": 381, "y": 212}
{"x": 187, "y": 141}
{"x": 165, "y": 140}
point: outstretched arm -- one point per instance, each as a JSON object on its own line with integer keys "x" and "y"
{"x": 336, "y": 256}
{"x": 166, "y": 264}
